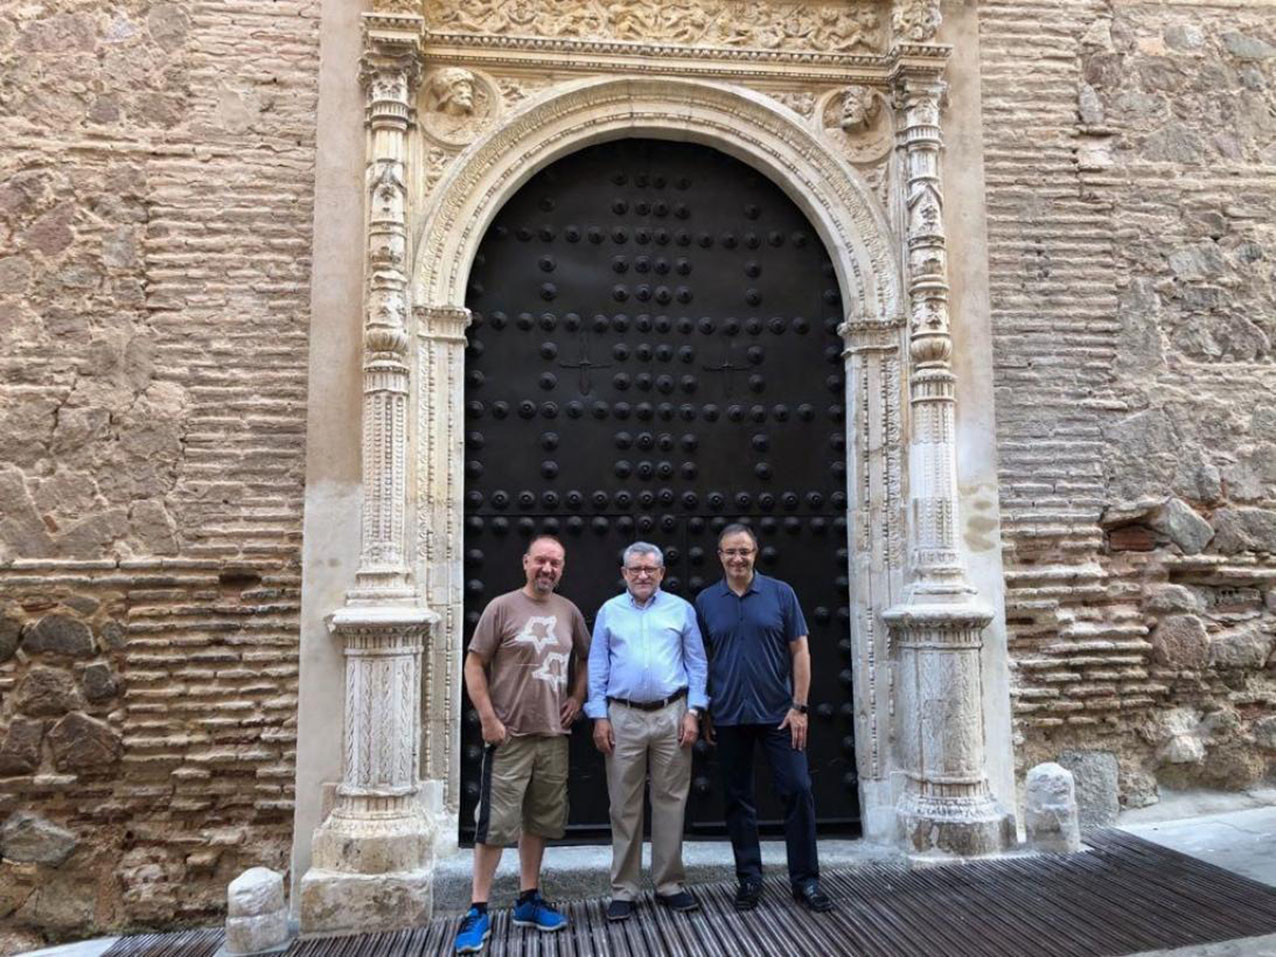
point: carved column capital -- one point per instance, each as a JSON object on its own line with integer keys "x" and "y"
{"x": 442, "y": 322}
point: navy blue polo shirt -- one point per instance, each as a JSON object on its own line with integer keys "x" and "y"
{"x": 747, "y": 637}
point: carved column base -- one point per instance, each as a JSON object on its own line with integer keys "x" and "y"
{"x": 966, "y": 827}
{"x": 373, "y": 868}
{"x": 946, "y": 806}
{"x": 335, "y": 903}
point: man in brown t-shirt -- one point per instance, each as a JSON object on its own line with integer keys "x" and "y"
{"x": 516, "y": 672}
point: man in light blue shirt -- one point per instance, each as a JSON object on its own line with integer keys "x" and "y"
{"x": 647, "y": 673}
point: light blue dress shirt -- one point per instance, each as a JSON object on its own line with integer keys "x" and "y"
{"x": 646, "y": 652}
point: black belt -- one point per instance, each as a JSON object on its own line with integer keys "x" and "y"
{"x": 651, "y": 705}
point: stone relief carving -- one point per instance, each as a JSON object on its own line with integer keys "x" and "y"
{"x": 801, "y": 102}
{"x": 458, "y": 105}
{"x": 916, "y": 20}
{"x": 855, "y": 120}
{"x": 832, "y": 27}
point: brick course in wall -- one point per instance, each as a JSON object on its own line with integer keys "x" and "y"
{"x": 155, "y": 242}
{"x": 1131, "y": 173}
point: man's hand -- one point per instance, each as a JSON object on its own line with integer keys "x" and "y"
{"x": 689, "y": 730}
{"x": 604, "y": 738}
{"x": 795, "y": 721}
{"x": 494, "y": 732}
{"x": 706, "y": 730}
{"x": 569, "y": 710}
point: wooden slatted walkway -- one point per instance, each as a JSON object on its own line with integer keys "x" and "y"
{"x": 1123, "y": 896}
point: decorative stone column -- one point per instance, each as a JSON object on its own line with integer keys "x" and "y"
{"x": 372, "y": 858}
{"x": 441, "y": 478}
{"x": 946, "y": 804}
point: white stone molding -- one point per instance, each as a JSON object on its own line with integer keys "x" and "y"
{"x": 372, "y": 857}
{"x": 440, "y": 457}
{"x": 876, "y": 411}
{"x": 946, "y": 804}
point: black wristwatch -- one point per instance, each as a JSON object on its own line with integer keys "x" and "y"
{"x": 800, "y": 708}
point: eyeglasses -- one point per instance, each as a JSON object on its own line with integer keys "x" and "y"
{"x": 736, "y": 552}
{"x": 640, "y": 570}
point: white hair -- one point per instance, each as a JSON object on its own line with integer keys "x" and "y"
{"x": 643, "y": 548}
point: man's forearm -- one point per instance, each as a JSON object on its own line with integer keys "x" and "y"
{"x": 580, "y": 687}
{"x": 801, "y": 672}
{"x": 476, "y": 685}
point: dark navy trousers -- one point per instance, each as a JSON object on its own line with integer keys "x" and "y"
{"x": 791, "y": 781}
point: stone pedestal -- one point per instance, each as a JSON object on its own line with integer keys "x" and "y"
{"x": 257, "y": 918}
{"x": 1050, "y": 812}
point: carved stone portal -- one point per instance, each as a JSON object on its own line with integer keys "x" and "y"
{"x": 802, "y": 92}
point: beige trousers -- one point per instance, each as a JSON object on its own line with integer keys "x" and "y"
{"x": 647, "y": 744}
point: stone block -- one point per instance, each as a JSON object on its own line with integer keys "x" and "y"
{"x": 20, "y": 751}
{"x": 335, "y": 902}
{"x": 47, "y": 692}
{"x": 81, "y": 743}
{"x": 1242, "y": 648}
{"x": 1050, "y": 813}
{"x": 257, "y": 891}
{"x": 1244, "y": 530}
{"x": 1096, "y": 781}
{"x": 60, "y": 635}
{"x": 1180, "y": 641}
{"x": 1168, "y": 598}
{"x": 99, "y": 682}
{"x": 1265, "y": 732}
{"x": 1181, "y": 524}
{"x": 257, "y": 917}
{"x": 10, "y": 630}
{"x": 29, "y": 838}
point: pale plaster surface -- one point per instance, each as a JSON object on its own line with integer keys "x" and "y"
{"x": 980, "y": 530}
{"x": 330, "y": 549}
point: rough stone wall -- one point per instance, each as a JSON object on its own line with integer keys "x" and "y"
{"x": 155, "y": 222}
{"x": 1131, "y": 171}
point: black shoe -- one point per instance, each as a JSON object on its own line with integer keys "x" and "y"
{"x": 811, "y": 897}
{"x": 747, "y": 895}
{"x": 684, "y": 900}
{"x": 620, "y": 910}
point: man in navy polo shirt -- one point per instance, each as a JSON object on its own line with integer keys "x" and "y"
{"x": 759, "y": 677}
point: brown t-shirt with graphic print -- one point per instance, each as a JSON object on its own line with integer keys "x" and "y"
{"x": 528, "y": 645}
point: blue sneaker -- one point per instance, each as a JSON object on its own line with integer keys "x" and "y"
{"x": 539, "y": 913}
{"x": 476, "y": 927}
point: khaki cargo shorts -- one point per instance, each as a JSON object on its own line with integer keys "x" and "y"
{"x": 523, "y": 786}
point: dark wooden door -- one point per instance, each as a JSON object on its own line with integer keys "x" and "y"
{"x": 654, "y": 354}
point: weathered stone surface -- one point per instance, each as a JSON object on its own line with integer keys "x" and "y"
{"x": 1179, "y": 522}
{"x": 1096, "y": 777}
{"x": 31, "y": 839}
{"x": 99, "y": 682}
{"x": 257, "y": 891}
{"x": 1244, "y": 530}
{"x": 257, "y": 918}
{"x": 1139, "y": 789}
{"x": 20, "y": 747}
{"x": 1265, "y": 732}
{"x": 1247, "y": 647}
{"x": 252, "y": 935}
{"x": 47, "y": 692}
{"x": 1169, "y": 598}
{"x": 10, "y": 630}
{"x": 60, "y": 635}
{"x": 1050, "y": 810}
{"x": 1178, "y": 735}
{"x": 1180, "y": 641}
{"x": 81, "y": 743}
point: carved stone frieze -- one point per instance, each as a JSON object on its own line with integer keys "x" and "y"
{"x": 831, "y": 26}
{"x": 915, "y": 20}
{"x": 801, "y": 102}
